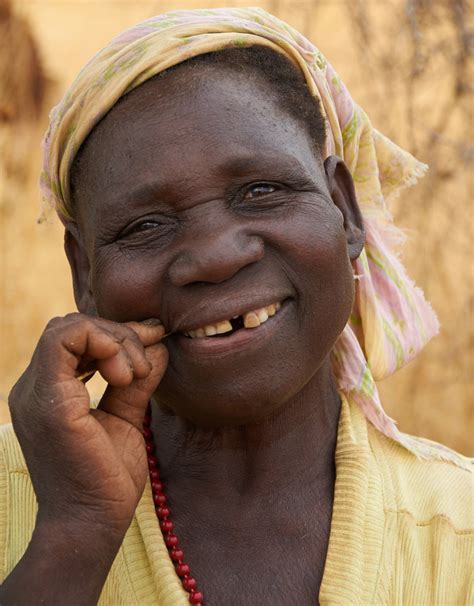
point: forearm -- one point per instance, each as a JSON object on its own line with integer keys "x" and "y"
{"x": 61, "y": 566}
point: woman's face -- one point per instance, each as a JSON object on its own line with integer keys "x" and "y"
{"x": 196, "y": 205}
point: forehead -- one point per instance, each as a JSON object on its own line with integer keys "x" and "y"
{"x": 190, "y": 129}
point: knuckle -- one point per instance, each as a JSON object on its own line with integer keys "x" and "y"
{"x": 58, "y": 324}
{"x": 130, "y": 336}
{"x": 54, "y": 323}
{"x": 71, "y": 317}
{"x": 126, "y": 330}
{"x": 135, "y": 340}
{"x": 88, "y": 324}
{"x": 74, "y": 316}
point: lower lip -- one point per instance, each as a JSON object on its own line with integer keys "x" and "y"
{"x": 241, "y": 339}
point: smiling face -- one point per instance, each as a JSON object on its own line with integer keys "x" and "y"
{"x": 199, "y": 207}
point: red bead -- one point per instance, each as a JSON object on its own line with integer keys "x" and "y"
{"x": 162, "y": 512}
{"x": 176, "y": 554}
{"x": 196, "y": 597}
{"x": 152, "y": 461}
{"x": 182, "y": 569}
{"x": 166, "y": 525}
{"x": 189, "y": 583}
{"x": 156, "y": 498}
{"x": 156, "y": 486}
{"x": 171, "y": 540}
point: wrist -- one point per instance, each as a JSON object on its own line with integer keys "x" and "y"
{"x": 65, "y": 563}
{"x": 81, "y": 525}
{"x": 81, "y": 534}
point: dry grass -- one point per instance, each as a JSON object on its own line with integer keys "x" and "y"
{"x": 373, "y": 43}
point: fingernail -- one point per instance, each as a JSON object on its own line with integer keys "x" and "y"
{"x": 153, "y": 322}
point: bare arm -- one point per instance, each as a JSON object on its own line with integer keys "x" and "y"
{"x": 62, "y": 565}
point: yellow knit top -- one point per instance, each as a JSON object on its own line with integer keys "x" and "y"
{"x": 401, "y": 530}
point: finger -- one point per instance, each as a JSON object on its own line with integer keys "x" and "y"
{"x": 149, "y": 331}
{"x": 96, "y": 342}
{"x": 68, "y": 348}
{"x": 130, "y": 402}
{"x": 117, "y": 370}
{"x": 114, "y": 369}
{"x": 134, "y": 336}
{"x": 136, "y": 353}
{"x": 72, "y": 346}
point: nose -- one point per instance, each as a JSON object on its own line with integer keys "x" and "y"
{"x": 215, "y": 256}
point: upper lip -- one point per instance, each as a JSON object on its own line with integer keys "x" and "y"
{"x": 211, "y": 311}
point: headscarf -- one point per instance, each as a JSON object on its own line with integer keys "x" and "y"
{"x": 390, "y": 320}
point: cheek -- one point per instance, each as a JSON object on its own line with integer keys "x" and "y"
{"x": 313, "y": 240}
{"x": 313, "y": 248}
{"x": 126, "y": 286}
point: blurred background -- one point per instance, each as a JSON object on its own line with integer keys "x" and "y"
{"x": 409, "y": 63}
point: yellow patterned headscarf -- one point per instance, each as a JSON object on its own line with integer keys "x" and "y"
{"x": 390, "y": 320}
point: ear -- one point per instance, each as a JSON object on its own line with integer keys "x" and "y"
{"x": 80, "y": 269}
{"x": 341, "y": 188}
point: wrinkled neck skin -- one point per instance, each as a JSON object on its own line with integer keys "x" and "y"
{"x": 289, "y": 453}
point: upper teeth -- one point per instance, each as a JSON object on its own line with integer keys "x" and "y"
{"x": 251, "y": 319}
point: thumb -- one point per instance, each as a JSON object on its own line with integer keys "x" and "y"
{"x": 130, "y": 402}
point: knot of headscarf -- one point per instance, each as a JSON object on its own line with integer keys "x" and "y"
{"x": 390, "y": 321}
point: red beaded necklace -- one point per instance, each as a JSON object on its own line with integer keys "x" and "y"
{"x": 163, "y": 513}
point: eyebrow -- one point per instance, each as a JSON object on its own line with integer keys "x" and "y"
{"x": 246, "y": 163}
{"x": 281, "y": 165}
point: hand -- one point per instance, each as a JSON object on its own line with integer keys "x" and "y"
{"x": 88, "y": 467}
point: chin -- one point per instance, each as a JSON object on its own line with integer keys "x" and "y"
{"x": 223, "y": 408}
{"x": 249, "y": 398}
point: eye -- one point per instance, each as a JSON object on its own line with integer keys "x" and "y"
{"x": 145, "y": 226}
{"x": 259, "y": 189}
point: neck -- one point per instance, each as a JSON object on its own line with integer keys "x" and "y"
{"x": 294, "y": 447}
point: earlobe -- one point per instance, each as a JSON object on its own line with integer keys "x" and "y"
{"x": 80, "y": 269}
{"x": 342, "y": 190}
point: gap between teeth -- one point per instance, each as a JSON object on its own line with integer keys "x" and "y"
{"x": 252, "y": 319}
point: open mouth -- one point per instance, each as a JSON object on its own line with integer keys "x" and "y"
{"x": 224, "y": 328}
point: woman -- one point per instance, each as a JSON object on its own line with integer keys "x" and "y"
{"x": 240, "y": 308}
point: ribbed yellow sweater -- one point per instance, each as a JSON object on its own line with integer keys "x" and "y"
{"x": 401, "y": 530}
